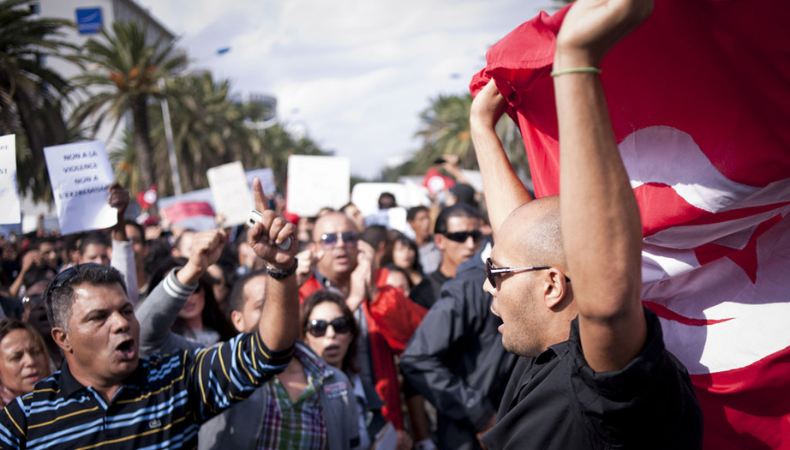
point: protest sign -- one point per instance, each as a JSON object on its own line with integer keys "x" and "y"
{"x": 193, "y": 210}
{"x": 267, "y": 180}
{"x": 80, "y": 175}
{"x": 9, "y": 196}
{"x": 366, "y": 195}
{"x": 232, "y": 196}
{"x": 317, "y": 181}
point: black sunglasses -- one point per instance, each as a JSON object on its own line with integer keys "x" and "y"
{"x": 462, "y": 236}
{"x": 318, "y": 328}
{"x": 330, "y": 240}
{"x": 493, "y": 272}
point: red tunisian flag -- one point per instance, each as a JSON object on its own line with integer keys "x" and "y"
{"x": 700, "y": 102}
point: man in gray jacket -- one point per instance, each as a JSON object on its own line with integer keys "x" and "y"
{"x": 278, "y": 410}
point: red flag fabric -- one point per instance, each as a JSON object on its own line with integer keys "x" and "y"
{"x": 436, "y": 182}
{"x": 699, "y": 99}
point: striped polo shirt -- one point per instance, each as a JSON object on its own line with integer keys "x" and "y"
{"x": 160, "y": 406}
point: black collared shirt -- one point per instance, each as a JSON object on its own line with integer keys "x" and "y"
{"x": 556, "y": 401}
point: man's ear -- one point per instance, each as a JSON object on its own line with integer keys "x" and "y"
{"x": 438, "y": 239}
{"x": 555, "y": 289}
{"x": 238, "y": 320}
{"x": 62, "y": 338}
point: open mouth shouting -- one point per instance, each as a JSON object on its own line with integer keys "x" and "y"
{"x": 126, "y": 350}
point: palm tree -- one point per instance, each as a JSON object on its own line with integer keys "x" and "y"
{"x": 129, "y": 70}
{"x": 31, "y": 94}
{"x": 445, "y": 130}
{"x": 277, "y": 144}
{"x": 208, "y": 128}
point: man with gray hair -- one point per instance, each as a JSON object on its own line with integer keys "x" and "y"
{"x": 106, "y": 397}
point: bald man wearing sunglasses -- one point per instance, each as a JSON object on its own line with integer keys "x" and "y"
{"x": 594, "y": 372}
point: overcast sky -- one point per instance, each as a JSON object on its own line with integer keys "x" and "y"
{"x": 353, "y": 74}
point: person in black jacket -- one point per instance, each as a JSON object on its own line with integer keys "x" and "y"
{"x": 456, "y": 359}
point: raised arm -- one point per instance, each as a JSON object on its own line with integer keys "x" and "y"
{"x": 122, "y": 253}
{"x": 279, "y": 324}
{"x": 504, "y": 191}
{"x": 229, "y": 373}
{"x": 158, "y": 313}
{"x": 601, "y": 227}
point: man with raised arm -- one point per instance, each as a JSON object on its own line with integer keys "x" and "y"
{"x": 594, "y": 372}
{"x": 106, "y": 397}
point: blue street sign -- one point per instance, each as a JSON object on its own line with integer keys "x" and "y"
{"x": 89, "y": 20}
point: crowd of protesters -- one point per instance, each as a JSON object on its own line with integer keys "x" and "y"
{"x": 191, "y": 292}
{"x": 335, "y": 333}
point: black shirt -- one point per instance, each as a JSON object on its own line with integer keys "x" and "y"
{"x": 556, "y": 401}
{"x": 456, "y": 360}
{"x": 427, "y": 292}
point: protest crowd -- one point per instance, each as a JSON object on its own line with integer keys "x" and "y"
{"x": 484, "y": 318}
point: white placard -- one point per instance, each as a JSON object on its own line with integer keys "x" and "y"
{"x": 267, "y": 180}
{"x": 317, "y": 181}
{"x": 80, "y": 175}
{"x": 9, "y": 196}
{"x": 232, "y": 196}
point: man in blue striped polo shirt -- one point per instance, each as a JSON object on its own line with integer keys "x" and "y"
{"x": 106, "y": 397}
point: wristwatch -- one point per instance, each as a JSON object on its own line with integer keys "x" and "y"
{"x": 281, "y": 274}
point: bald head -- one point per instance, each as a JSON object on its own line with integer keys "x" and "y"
{"x": 536, "y": 307}
{"x": 533, "y": 232}
{"x": 333, "y": 220}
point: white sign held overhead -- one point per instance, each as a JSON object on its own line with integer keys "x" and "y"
{"x": 80, "y": 175}
{"x": 267, "y": 179}
{"x": 9, "y": 196}
{"x": 232, "y": 195}
{"x": 317, "y": 181}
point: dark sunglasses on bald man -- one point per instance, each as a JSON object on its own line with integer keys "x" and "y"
{"x": 318, "y": 328}
{"x": 330, "y": 239}
{"x": 492, "y": 273}
{"x": 462, "y": 236}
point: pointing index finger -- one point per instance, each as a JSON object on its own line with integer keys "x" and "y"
{"x": 260, "y": 197}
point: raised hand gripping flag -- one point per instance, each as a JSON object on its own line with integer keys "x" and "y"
{"x": 700, "y": 101}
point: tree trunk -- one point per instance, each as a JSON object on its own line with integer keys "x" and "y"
{"x": 142, "y": 141}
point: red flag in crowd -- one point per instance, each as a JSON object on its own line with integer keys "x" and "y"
{"x": 699, "y": 99}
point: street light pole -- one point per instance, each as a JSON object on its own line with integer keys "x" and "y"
{"x": 171, "y": 147}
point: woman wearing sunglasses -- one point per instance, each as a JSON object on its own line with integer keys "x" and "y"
{"x": 23, "y": 359}
{"x": 329, "y": 329}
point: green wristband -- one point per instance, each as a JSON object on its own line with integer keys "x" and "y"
{"x": 576, "y": 70}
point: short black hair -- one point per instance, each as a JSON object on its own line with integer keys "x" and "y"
{"x": 390, "y": 196}
{"x": 457, "y": 210}
{"x": 71, "y": 241}
{"x": 375, "y": 235}
{"x": 235, "y": 300}
{"x": 96, "y": 238}
{"x": 43, "y": 240}
{"x": 139, "y": 228}
{"x": 411, "y": 214}
{"x": 36, "y": 273}
{"x": 59, "y": 295}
